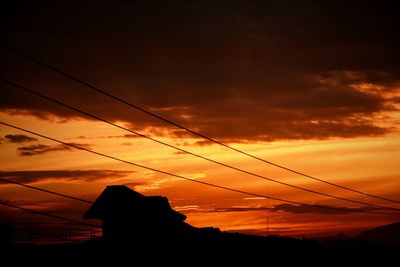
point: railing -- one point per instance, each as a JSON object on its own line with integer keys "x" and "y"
{"x": 47, "y": 232}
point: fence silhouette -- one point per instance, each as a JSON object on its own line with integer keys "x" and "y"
{"x": 41, "y": 233}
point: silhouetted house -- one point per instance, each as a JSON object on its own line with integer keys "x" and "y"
{"x": 129, "y": 215}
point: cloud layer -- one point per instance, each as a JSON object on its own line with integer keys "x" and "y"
{"x": 19, "y": 138}
{"x": 236, "y": 71}
{"x": 296, "y": 209}
{"x": 40, "y": 149}
{"x": 69, "y": 175}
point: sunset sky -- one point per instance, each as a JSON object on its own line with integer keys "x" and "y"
{"x": 311, "y": 86}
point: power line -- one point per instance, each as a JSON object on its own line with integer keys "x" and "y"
{"x": 37, "y": 61}
{"x": 47, "y": 214}
{"x": 90, "y": 115}
{"x": 193, "y": 180}
{"x": 46, "y": 191}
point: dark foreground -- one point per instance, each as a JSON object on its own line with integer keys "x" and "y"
{"x": 230, "y": 249}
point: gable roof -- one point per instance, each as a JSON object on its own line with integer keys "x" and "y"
{"x": 119, "y": 199}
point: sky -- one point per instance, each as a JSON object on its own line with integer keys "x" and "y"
{"x": 311, "y": 86}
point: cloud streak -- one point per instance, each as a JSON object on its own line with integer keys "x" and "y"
{"x": 19, "y": 138}
{"x": 63, "y": 175}
{"x": 304, "y": 209}
{"x": 128, "y": 136}
{"x": 296, "y": 209}
{"x": 40, "y": 149}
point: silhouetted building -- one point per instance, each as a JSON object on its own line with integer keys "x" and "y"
{"x": 129, "y": 215}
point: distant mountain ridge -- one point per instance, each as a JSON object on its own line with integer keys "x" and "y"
{"x": 385, "y": 234}
{"x": 388, "y": 234}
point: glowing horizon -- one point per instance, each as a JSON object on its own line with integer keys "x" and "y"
{"x": 294, "y": 84}
{"x": 344, "y": 159}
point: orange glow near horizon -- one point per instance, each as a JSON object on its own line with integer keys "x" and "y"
{"x": 368, "y": 164}
{"x": 289, "y": 82}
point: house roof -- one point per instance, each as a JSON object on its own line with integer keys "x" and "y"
{"x": 119, "y": 199}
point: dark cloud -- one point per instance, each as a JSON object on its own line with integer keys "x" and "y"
{"x": 69, "y": 175}
{"x": 110, "y": 136}
{"x": 309, "y": 209}
{"x": 134, "y": 184}
{"x": 19, "y": 138}
{"x": 240, "y": 71}
{"x": 297, "y": 209}
{"x": 7, "y": 201}
{"x": 41, "y": 149}
{"x": 241, "y": 209}
{"x": 203, "y": 143}
{"x": 180, "y": 153}
{"x": 119, "y": 136}
{"x": 126, "y": 144}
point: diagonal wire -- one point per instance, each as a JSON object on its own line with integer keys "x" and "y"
{"x": 47, "y": 214}
{"x": 37, "y": 61}
{"x": 46, "y": 190}
{"x": 186, "y": 151}
{"x": 194, "y": 180}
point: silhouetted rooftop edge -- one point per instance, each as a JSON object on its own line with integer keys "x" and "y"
{"x": 123, "y": 197}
